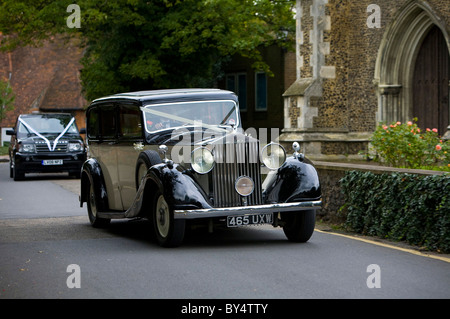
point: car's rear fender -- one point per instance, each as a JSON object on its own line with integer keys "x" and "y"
{"x": 91, "y": 172}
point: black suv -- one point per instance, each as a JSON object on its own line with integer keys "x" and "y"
{"x": 45, "y": 142}
{"x": 181, "y": 156}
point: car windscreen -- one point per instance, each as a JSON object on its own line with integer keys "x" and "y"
{"x": 46, "y": 125}
{"x": 199, "y": 113}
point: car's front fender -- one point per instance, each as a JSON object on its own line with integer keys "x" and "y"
{"x": 180, "y": 190}
{"x": 296, "y": 180}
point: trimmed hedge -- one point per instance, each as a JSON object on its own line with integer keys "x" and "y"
{"x": 399, "y": 206}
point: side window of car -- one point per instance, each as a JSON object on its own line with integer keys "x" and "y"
{"x": 108, "y": 121}
{"x": 130, "y": 122}
{"x": 93, "y": 124}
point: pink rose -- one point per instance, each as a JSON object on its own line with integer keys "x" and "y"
{"x": 435, "y": 130}
{"x": 410, "y": 123}
{"x": 438, "y": 147}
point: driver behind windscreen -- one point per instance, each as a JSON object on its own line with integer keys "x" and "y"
{"x": 158, "y": 123}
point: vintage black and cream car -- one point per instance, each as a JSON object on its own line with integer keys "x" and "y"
{"x": 45, "y": 143}
{"x": 180, "y": 157}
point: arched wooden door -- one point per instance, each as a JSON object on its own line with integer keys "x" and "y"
{"x": 431, "y": 83}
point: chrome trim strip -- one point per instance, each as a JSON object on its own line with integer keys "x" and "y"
{"x": 245, "y": 210}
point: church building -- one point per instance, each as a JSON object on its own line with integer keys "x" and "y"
{"x": 359, "y": 63}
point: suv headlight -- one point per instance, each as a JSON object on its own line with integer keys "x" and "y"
{"x": 202, "y": 160}
{"x": 75, "y": 147}
{"x": 273, "y": 155}
{"x": 27, "y": 148}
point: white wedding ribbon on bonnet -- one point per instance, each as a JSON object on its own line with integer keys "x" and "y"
{"x": 55, "y": 142}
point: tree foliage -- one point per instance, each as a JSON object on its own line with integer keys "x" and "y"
{"x": 132, "y": 44}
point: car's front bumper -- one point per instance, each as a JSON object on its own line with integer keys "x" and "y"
{"x": 33, "y": 163}
{"x": 246, "y": 210}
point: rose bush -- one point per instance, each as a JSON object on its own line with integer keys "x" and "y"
{"x": 406, "y": 145}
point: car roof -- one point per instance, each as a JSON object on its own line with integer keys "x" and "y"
{"x": 171, "y": 95}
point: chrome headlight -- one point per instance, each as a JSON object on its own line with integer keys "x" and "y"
{"x": 202, "y": 160}
{"x": 273, "y": 155}
{"x": 75, "y": 147}
{"x": 27, "y": 148}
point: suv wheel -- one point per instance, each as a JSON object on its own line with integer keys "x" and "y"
{"x": 299, "y": 226}
{"x": 169, "y": 231}
{"x": 11, "y": 170}
{"x": 17, "y": 174}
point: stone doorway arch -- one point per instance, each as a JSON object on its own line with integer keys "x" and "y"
{"x": 399, "y": 49}
{"x": 431, "y": 83}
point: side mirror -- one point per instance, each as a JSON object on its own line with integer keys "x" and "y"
{"x": 83, "y": 130}
{"x": 10, "y": 132}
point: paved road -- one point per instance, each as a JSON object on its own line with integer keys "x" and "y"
{"x": 43, "y": 231}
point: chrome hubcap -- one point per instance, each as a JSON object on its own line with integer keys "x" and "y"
{"x": 162, "y": 217}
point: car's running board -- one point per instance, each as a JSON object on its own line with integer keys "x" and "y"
{"x": 111, "y": 215}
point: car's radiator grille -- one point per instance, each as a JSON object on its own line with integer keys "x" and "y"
{"x": 233, "y": 161}
{"x": 41, "y": 147}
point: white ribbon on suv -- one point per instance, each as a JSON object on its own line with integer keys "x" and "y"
{"x": 55, "y": 142}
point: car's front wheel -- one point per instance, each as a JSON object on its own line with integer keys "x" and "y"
{"x": 299, "y": 226}
{"x": 169, "y": 231}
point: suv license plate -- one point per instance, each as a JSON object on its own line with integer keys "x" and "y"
{"x": 52, "y": 162}
{"x": 243, "y": 220}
